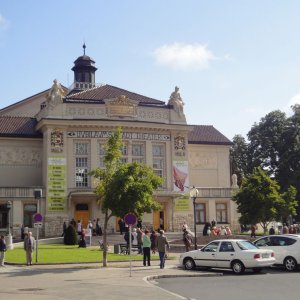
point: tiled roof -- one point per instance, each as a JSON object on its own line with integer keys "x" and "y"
{"x": 18, "y": 127}
{"x": 207, "y": 134}
{"x": 98, "y": 94}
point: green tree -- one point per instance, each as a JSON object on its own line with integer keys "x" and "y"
{"x": 258, "y": 199}
{"x": 239, "y": 158}
{"x": 123, "y": 188}
{"x": 288, "y": 206}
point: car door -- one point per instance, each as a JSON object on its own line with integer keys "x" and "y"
{"x": 225, "y": 254}
{"x": 206, "y": 257}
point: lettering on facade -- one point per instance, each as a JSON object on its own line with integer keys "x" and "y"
{"x": 125, "y": 135}
{"x": 57, "y": 140}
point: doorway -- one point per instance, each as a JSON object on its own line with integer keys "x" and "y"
{"x": 159, "y": 220}
{"x": 82, "y": 213}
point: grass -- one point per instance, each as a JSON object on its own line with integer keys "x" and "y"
{"x": 58, "y": 253}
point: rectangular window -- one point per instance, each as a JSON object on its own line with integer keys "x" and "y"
{"x": 101, "y": 154}
{"x": 200, "y": 213}
{"x": 138, "y": 152}
{"x": 82, "y": 164}
{"x": 159, "y": 161}
{"x": 3, "y": 216}
{"x": 29, "y": 211}
{"x": 221, "y": 212}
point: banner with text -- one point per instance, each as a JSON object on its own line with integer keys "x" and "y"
{"x": 57, "y": 186}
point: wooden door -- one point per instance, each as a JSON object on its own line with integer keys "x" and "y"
{"x": 83, "y": 216}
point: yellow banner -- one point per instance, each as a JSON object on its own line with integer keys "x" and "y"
{"x": 182, "y": 204}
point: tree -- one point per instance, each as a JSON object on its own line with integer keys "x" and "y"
{"x": 239, "y": 158}
{"x": 123, "y": 188}
{"x": 259, "y": 200}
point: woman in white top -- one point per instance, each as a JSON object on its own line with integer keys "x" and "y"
{"x": 135, "y": 240}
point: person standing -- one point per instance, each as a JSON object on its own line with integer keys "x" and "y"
{"x": 146, "y": 247}
{"x": 187, "y": 239}
{"x": 121, "y": 225}
{"x": 140, "y": 235}
{"x": 153, "y": 238}
{"x": 2, "y": 250}
{"x": 161, "y": 244}
{"x": 29, "y": 244}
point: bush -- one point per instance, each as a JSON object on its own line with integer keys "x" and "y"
{"x": 70, "y": 238}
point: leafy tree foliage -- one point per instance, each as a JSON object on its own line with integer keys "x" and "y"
{"x": 123, "y": 188}
{"x": 259, "y": 200}
{"x": 274, "y": 145}
{"x": 239, "y": 158}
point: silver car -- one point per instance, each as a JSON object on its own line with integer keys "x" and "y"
{"x": 286, "y": 248}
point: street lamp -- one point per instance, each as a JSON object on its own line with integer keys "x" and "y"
{"x": 193, "y": 195}
{"x": 9, "y": 236}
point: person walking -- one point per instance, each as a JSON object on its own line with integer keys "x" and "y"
{"x": 2, "y": 250}
{"x": 153, "y": 238}
{"x": 29, "y": 244}
{"x": 161, "y": 244}
{"x": 146, "y": 248}
{"x": 121, "y": 225}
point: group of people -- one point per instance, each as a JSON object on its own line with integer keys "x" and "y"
{"x": 148, "y": 243}
{"x": 210, "y": 229}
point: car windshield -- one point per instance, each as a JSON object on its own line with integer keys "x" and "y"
{"x": 246, "y": 245}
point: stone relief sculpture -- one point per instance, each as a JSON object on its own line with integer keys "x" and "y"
{"x": 56, "y": 94}
{"x": 20, "y": 156}
{"x": 176, "y": 101}
{"x": 57, "y": 140}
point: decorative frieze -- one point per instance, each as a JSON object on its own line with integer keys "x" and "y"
{"x": 203, "y": 160}
{"x": 20, "y": 156}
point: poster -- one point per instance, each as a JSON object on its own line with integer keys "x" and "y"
{"x": 56, "y": 192}
{"x": 180, "y": 176}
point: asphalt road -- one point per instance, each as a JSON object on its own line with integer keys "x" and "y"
{"x": 272, "y": 284}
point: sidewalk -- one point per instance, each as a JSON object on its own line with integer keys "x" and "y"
{"x": 90, "y": 281}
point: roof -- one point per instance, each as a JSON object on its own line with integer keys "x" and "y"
{"x": 18, "y": 127}
{"x": 207, "y": 134}
{"x": 100, "y": 93}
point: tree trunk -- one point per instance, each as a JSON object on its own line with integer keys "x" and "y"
{"x": 105, "y": 239}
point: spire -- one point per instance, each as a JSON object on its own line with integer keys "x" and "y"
{"x": 84, "y": 46}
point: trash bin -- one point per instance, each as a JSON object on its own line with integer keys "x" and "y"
{"x": 117, "y": 249}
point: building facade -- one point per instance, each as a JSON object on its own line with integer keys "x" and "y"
{"x": 50, "y": 141}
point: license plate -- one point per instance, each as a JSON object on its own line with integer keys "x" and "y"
{"x": 265, "y": 255}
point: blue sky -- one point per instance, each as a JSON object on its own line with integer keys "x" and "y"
{"x": 234, "y": 61}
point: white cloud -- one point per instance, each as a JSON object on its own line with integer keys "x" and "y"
{"x": 3, "y": 22}
{"x": 294, "y": 100}
{"x": 181, "y": 56}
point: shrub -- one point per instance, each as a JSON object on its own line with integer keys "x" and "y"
{"x": 70, "y": 237}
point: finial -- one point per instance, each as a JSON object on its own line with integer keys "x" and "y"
{"x": 84, "y": 46}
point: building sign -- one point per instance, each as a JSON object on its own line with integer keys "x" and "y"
{"x": 57, "y": 191}
{"x": 125, "y": 135}
{"x": 180, "y": 176}
{"x": 182, "y": 204}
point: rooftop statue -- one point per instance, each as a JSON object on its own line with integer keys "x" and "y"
{"x": 176, "y": 101}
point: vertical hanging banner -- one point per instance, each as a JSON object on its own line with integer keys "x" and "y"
{"x": 181, "y": 176}
{"x": 57, "y": 188}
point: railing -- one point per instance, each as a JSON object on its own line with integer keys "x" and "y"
{"x": 83, "y": 85}
{"x": 215, "y": 192}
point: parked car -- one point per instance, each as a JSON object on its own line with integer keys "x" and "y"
{"x": 237, "y": 255}
{"x": 286, "y": 248}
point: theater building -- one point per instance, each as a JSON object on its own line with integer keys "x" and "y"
{"x": 50, "y": 141}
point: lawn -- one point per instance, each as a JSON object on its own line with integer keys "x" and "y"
{"x": 58, "y": 253}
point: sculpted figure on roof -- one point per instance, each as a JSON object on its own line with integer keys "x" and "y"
{"x": 176, "y": 101}
{"x": 56, "y": 93}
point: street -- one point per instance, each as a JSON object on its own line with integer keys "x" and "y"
{"x": 275, "y": 284}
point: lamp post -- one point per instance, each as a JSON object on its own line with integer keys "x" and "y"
{"x": 9, "y": 242}
{"x": 194, "y": 194}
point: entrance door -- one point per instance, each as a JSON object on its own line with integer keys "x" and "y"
{"x": 82, "y": 213}
{"x": 159, "y": 220}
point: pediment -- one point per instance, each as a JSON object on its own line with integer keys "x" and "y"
{"x": 121, "y": 106}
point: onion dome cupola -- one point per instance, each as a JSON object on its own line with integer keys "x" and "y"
{"x": 84, "y": 72}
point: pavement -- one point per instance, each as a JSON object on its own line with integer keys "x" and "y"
{"x": 120, "y": 280}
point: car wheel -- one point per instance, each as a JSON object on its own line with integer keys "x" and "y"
{"x": 237, "y": 267}
{"x": 257, "y": 270}
{"x": 290, "y": 264}
{"x": 189, "y": 264}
